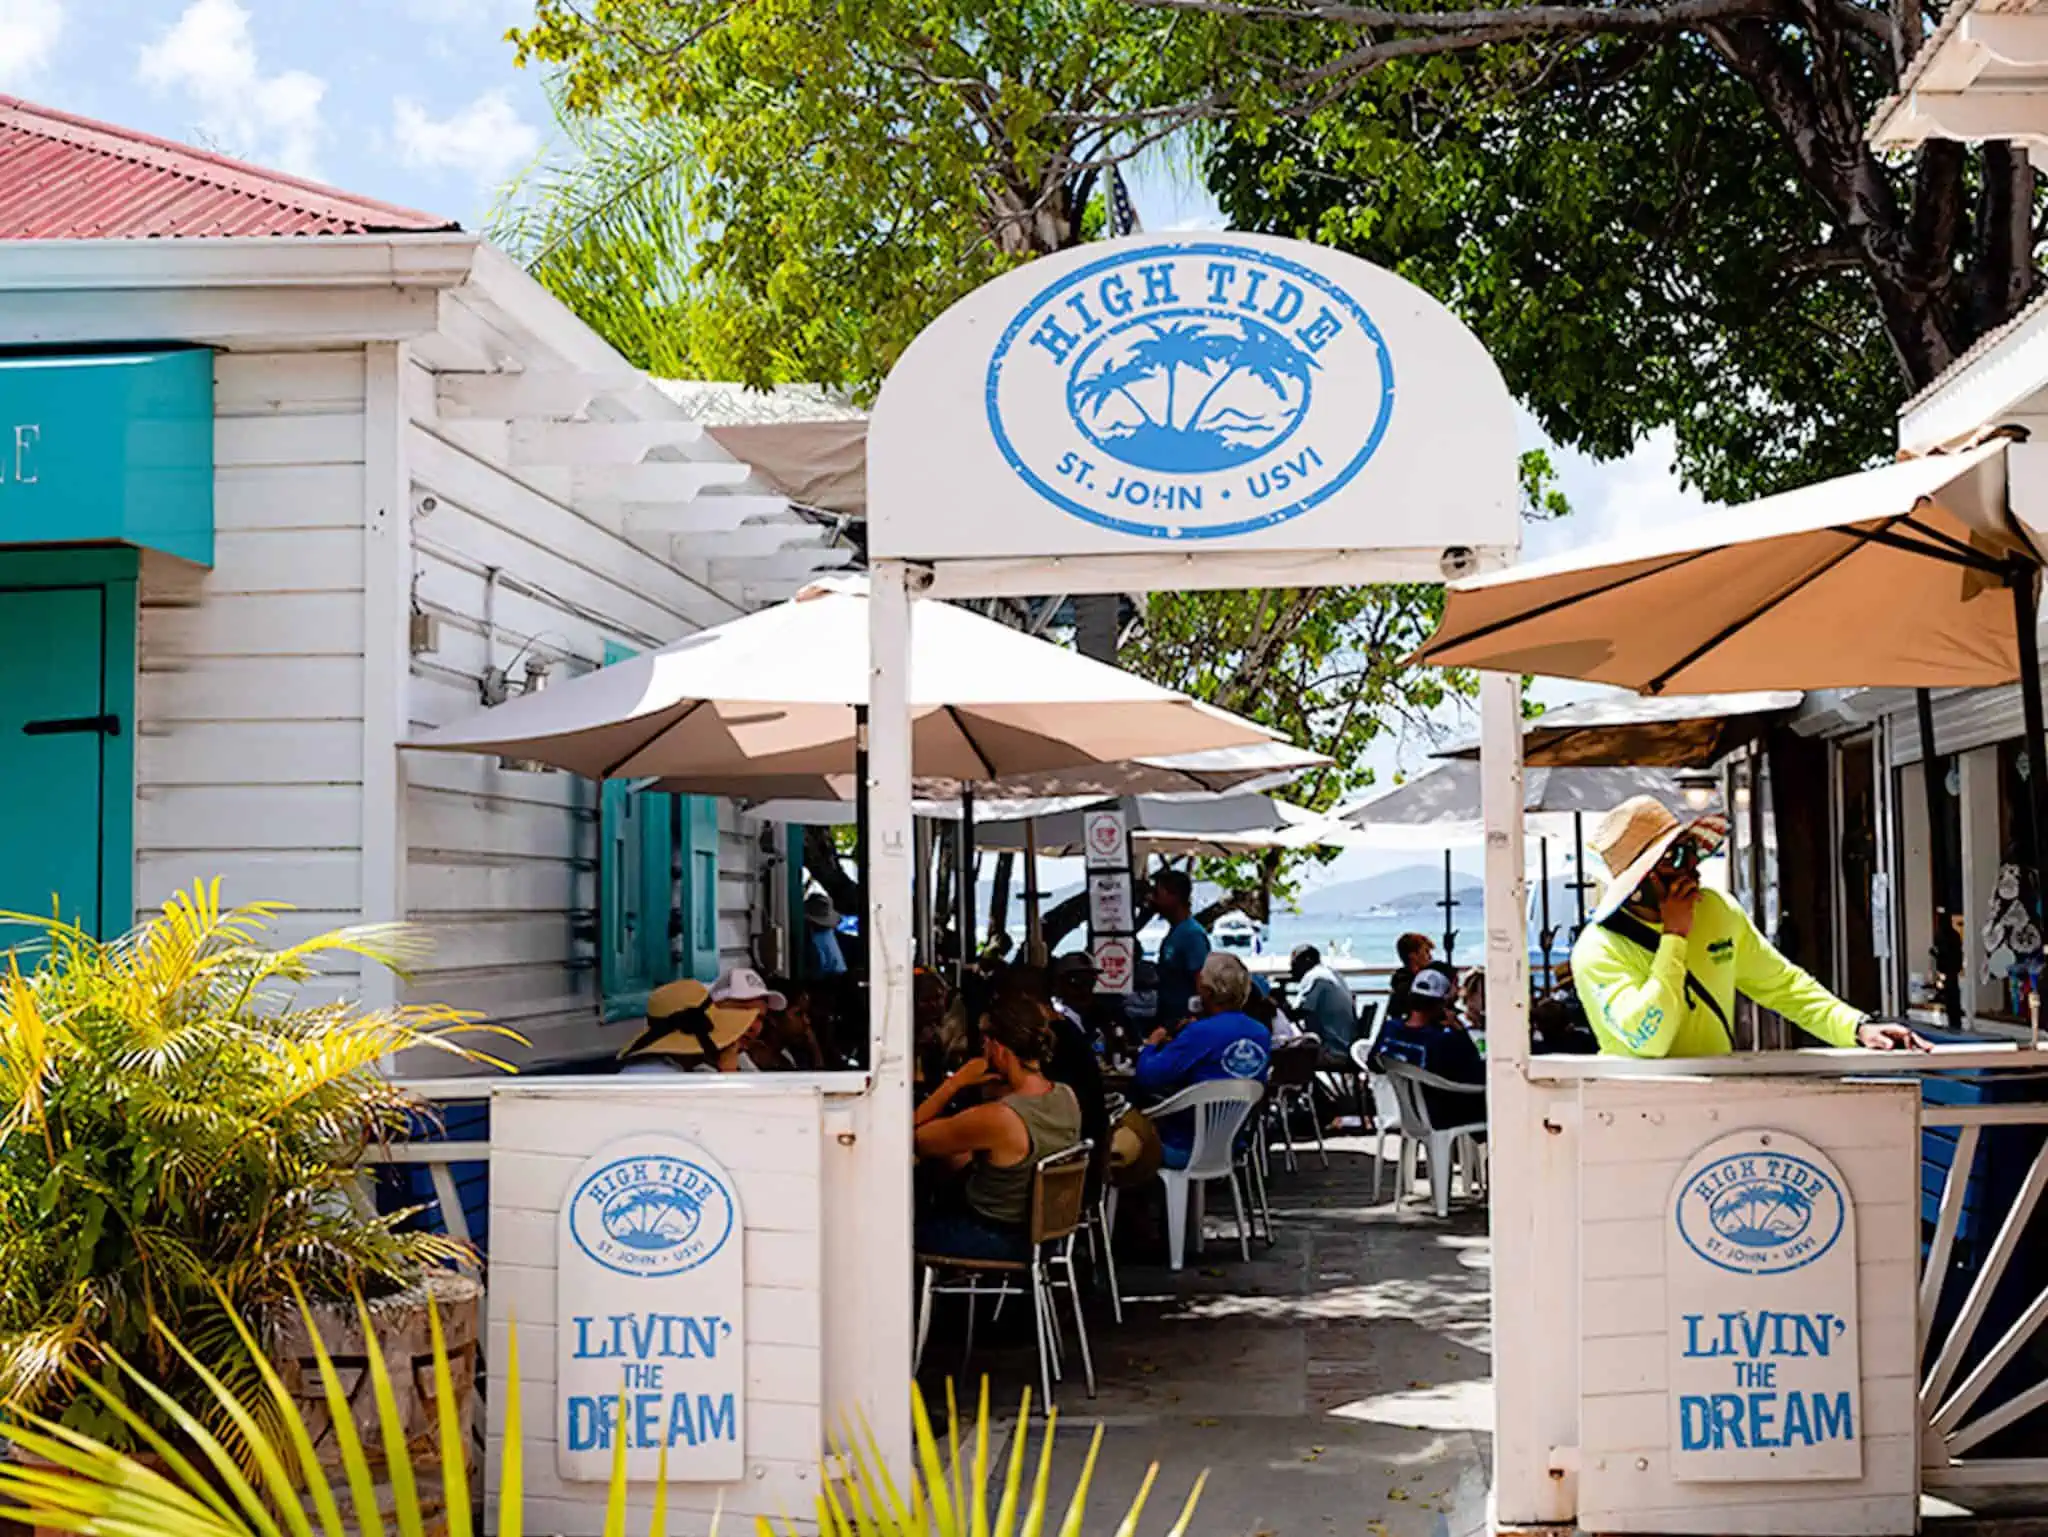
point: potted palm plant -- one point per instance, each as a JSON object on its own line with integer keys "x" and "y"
{"x": 182, "y": 1126}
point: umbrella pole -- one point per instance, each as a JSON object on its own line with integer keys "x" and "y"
{"x": 1448, "y": 904}
{"x": 964, "y": 882}
{"x": 1947, "y": 963}
{"x": 2026, "y": 618}
{"x": 1034, "y": 930}
{"x": 1544, "y": 932}
{"x": 1579, "y": 865}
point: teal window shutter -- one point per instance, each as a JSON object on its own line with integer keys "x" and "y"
{"x": 699, "y": 844}
{"x": 637, "y": 912}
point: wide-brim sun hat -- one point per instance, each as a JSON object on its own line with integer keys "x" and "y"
{"x": 1634, "y": 836}
{"x": 819, "y": 911}
{"x": 661, "y": 1038}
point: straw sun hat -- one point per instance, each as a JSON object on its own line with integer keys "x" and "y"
{"x": 729, "y": 1020}
{"x": 1632, "y": 837}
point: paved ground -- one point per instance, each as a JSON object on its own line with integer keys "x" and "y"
{"x": 1336, "y": 1384}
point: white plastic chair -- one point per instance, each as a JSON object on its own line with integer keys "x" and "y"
{"x": 1220, "y": 1110}
{"x": 1448, "y": 1146}
{"x": 1387, "y": 1122}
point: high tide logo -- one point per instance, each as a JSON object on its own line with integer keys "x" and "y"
{"x": 651, "y": 1216}
{"x": 1186, "y": 391}
{"x": 1760, "y": 1213}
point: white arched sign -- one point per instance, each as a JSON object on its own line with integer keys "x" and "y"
{"x": 1192, "y": 394}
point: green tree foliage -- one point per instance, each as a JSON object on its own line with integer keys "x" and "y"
{"x": 1653, "y": 215}
{"x": 790, "y": 190}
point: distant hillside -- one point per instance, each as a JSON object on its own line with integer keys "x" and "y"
{"x": 1418, "y": 892}
{"x": 1410, "y": 888}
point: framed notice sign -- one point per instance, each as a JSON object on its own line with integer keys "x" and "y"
{"x": 1109, "y": 903}
{"x": 1106, "y": 840}
{"x": 1116, "y": 963}
{"x": 650, "y": 1337}
{"x": 1760, "y": 1298}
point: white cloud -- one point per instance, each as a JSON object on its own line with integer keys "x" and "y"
{"x": 485, "y": 140}
{"x": 29, "y": 30}
{"x": 209, "y": 54}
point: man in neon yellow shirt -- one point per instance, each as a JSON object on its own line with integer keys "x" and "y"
{"x": 1661, "y": 961}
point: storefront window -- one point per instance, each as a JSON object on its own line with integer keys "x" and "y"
{"x": 2007, "y": 950}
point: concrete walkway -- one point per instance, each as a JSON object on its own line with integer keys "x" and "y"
{"x": 1336, "y": 1384}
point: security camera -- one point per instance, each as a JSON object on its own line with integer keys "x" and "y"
{"x": 1456, "y": 562}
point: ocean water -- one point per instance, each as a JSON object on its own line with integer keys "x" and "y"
{"x": 1371, "y": 940}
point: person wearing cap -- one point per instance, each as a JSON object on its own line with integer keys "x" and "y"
{"x": 821, "y": 919}
{"x": 1661, "y": 959}
{"x": 692, "y": 1028}
{"x": 1429, "y": 1036}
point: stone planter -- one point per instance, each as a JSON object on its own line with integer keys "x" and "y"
{"x": 400, "y": 1323}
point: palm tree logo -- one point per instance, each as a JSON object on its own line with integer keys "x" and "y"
{"x": 653, "y": 1219}
{"x": 1189, "y": 396}
{"x": 1762, "y": 1213}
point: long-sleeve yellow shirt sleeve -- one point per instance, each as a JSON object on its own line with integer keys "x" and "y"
{"x": 1639, "y": 1005}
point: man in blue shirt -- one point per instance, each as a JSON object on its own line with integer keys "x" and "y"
{"x": 1431, "y": 1038}
{"x": 1221, "y": 1042}
{"x": 1185, "y": 947}
{"x": 821, "y": 919}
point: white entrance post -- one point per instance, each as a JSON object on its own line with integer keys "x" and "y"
{"x": 1534, "y": 1362}
{"x": 886, "y": 1249}
{"x": 1190, "y": 411}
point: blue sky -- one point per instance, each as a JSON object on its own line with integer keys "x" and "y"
{"x": 418, "y": 102}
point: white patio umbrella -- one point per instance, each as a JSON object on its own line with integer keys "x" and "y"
{"x": 772, "y": 697}
{"x": 1441, "y": 809}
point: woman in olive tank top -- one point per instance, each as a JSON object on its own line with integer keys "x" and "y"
{"x": 998, "y": 1144}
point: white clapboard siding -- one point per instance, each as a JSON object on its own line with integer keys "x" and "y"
{"x": 1635, "y": 1139}
{"x": 248, "y": 728}
{"x": 769, "y": 1137}
{"x": 501, "y": 864}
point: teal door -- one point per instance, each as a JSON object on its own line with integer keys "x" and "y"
{"x": 54, "y": 729}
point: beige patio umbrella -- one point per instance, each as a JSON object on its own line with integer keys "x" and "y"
{"x": 771, "y": 699}
{"x": 1914, "y": 575}
{"x": 1894, "y": 577}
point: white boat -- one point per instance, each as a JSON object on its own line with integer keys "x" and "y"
{"x": 1238, "y": 934}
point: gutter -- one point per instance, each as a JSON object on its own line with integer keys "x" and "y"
{"x": 268, "y": 261}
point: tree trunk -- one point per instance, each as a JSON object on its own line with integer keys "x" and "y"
{"x": 999, "y": 899}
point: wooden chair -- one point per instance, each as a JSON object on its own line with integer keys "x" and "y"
{"x": 1059, "y": 1197}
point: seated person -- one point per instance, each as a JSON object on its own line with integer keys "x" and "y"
{"x": 998, "y": 1143}
{"x": 1322, "y": 1003}
{"x": 695, "y": 1029}
{"x": 1417, "y": 953}
{"x": 788, "y": 1042}
{"x": 1219, "y": 1043}
{"x": 1431, "y": 1038}
{"x": 821, "y": 937}
{"x": 1073, "y": 1061}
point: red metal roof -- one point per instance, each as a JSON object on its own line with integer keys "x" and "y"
{"x": 68, "y": 178}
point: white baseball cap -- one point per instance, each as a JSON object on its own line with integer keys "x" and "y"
{"x": 743, "y": 984}
{"x": 1427, "y": 984}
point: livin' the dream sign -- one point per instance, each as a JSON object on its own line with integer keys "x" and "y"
{"x": 1192, "y": 392}
{"x": 1760, "y": 1314}
{"x": 650, "y": 1337}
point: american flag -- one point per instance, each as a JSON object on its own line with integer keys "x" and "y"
{"x": 1123, "y": 214}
